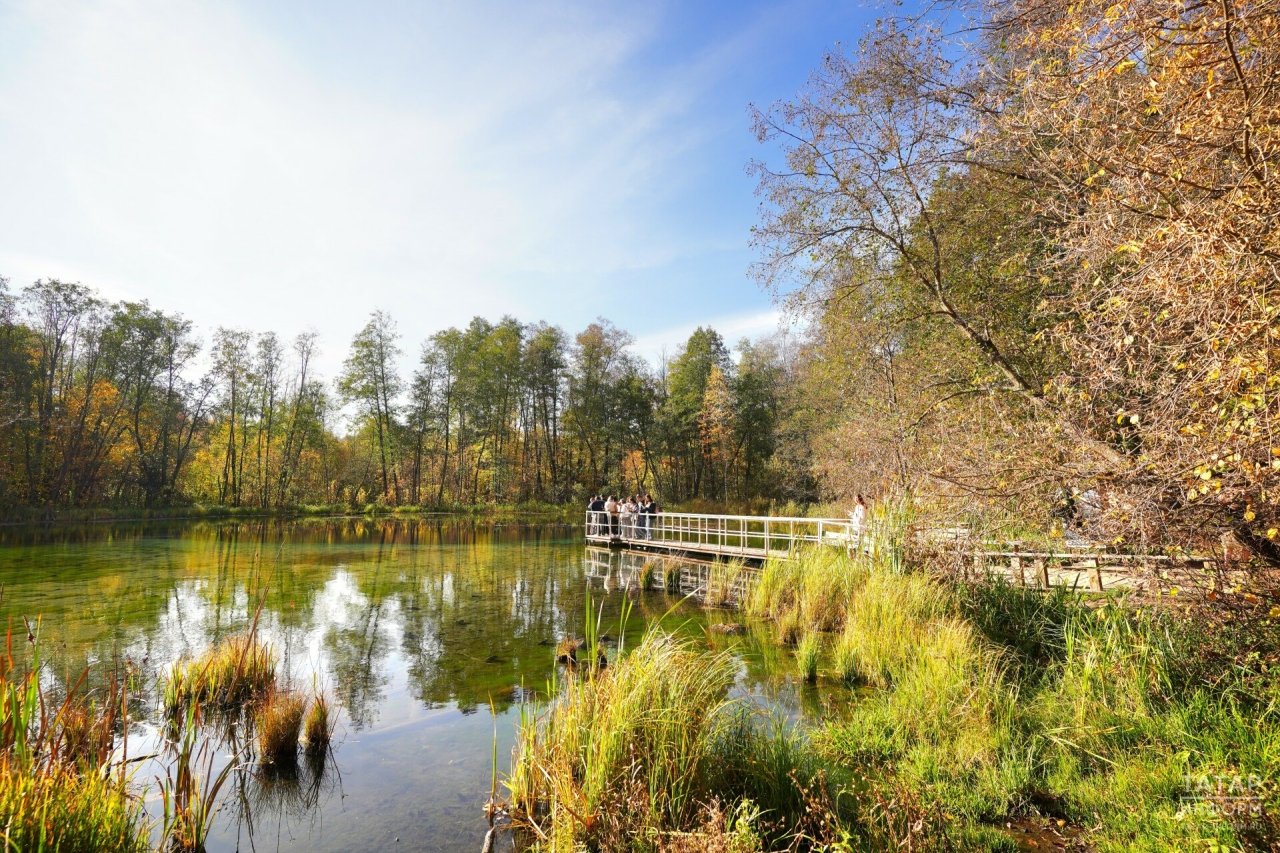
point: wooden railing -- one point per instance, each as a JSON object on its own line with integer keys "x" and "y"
{"x": 741, "y": 535}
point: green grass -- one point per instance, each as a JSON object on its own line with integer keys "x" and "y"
{"x": 988, "y": 702}
{"x": 807, "y": 653}
{"x": 649, "y": 747}
{"x": 993, "y": 702}
{"x": 722, "y": 583}
{"x": 63, "y": 809}
{"x": 55, "y": 793}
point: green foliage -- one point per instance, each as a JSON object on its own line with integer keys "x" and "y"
{"x": 59, "y": 809}
{"x": 100, "y": 407}
{"x": 991, "y": 701}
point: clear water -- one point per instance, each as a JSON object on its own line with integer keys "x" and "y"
{"x": 413, "y": 626}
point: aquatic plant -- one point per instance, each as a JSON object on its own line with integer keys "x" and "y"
{"x": 807, "y": 656}
{"x": 55, "y": 791}
{"x": 722, "y": 583}
{"x": 647, "y": 571}
{"x": 788, "y": 628}
{"x": 765, "y": 759}
{"x": 317, "y": 729}
{"x": 55, "y": 807}
{"x": 774, "y": 591}
{"x": 890, "y": 620}
{"x": 191, "y": 791}
{"x": 278, "y": 724}
{"x": 622, "y": 748}
{"x": 671, "y": 577}
{"x": 238, "y": 671}
{"x": 844, "y": 658}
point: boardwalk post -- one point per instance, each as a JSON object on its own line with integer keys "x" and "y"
{"x": 1015, "y": 565}
{"x": 1095, "y": 575}
{"x": 1042, "y": 572}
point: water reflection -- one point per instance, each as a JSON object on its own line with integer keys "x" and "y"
{"x": 413, "y": 626}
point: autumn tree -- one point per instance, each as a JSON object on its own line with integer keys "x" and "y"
{"x": 369, "y": 380}
{"x": 1149, "y": 128}
{"x": 233, "y": 372}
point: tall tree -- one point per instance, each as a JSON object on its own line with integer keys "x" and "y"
{"x": 370, "y": 381}
{"x": 233, "y": 372}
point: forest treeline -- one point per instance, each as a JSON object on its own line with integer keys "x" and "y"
{"x": 122, "y": 404}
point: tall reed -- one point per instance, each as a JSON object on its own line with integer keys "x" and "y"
{"x": 627, "y": 746}
{"x": 57, "y": 791}
{"x": 238, "y": 671}
{"x": 807, "y": 656}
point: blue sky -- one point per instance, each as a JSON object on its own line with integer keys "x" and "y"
{"x": 292, "y": 165}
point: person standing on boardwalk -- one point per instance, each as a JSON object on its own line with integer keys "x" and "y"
{"x": 628, "y": 510}
{"x": 858, "y": 517}
{"x": 611, "y": 509}
{"x": 596, "y": 507}
{"x": 646, "y": 517}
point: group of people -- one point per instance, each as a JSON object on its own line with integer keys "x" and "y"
{"x": 631, "y": 517}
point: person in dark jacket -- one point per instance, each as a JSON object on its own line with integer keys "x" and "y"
{"x": 595, "y": 507}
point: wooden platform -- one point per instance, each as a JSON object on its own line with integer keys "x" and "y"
{"x": 749, "y": 538}
{"x": 754, "y": 539}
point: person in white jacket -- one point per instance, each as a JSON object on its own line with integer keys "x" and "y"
{"x": 858, "y": 517}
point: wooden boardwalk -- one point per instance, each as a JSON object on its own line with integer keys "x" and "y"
{"x": 746, "y": 537}
{"x": 754, "y": 539}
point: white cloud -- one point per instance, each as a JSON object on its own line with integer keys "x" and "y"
{"x": 187, "y": 153}
{"x": 732, "y": 328}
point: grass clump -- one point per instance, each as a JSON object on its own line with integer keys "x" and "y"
{"x": 317, "y": 729}
{"x": 630, "y": 756}
{"x": 278, "y": 724}
{"x": 57, "y": 807}
{"x": 238, "y": 671}
{"x": 992, "y": 702}
{"x": 722, "y": 583}
{"x": 807, "y": 656}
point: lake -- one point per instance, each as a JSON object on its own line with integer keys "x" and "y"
{"x": 422, "y": 630}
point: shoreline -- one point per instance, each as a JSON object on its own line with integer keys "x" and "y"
{"x": 202, "y": 513}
